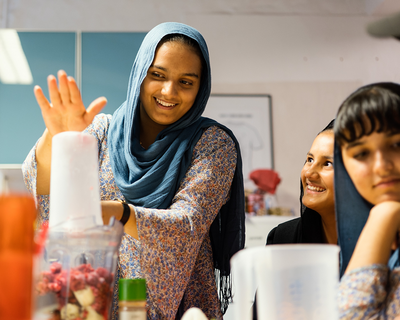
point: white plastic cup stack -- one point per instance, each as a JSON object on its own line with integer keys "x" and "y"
{"x": 74, "y": 182}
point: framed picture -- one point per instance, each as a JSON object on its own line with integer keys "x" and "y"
{"x": 250, "y": 119}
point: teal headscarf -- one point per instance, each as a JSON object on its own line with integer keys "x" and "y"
{"x": 150, "y": 178}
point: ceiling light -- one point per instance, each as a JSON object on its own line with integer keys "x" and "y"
{"x": 14, "y": 67}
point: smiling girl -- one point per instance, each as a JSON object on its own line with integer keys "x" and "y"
{"x": 317, "y": 223}
{"x": 367, "y": 187}
{"x": 179, "y": 173}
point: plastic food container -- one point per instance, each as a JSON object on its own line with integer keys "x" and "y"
{"x": 74, "y": 279}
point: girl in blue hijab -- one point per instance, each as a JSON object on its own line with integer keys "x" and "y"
{"x": 177, "y": 174}
{"x": 367, "y": 197}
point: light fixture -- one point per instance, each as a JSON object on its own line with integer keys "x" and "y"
{"x": 14, "y": 67}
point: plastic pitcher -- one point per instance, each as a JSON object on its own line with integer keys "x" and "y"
{"x": 75, "y": 277}
{"x": 293, "y": 282}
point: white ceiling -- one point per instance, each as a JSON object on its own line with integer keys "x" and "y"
{"x": 142, "y": 15}
{"x": 293, "y": 7}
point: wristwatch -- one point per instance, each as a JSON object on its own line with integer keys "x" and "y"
{"x": 127, "y": 212}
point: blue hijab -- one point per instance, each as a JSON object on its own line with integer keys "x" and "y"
{"x": 150, "y": 178}
{"x": 352, "y": 210}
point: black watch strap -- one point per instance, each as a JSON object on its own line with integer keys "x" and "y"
{"x": 126, "y": 214}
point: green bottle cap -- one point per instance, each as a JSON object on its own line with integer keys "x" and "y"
{"x": 132, "y": 289}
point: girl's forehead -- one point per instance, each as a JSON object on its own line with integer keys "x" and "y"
{"x": 323, "y": 144}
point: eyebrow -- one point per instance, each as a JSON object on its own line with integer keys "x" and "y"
{"x": 358, "y": 143}
{"x": 189, "y": 74}
{"x": 326, "y": 157}
{"x": 353, "y": 144}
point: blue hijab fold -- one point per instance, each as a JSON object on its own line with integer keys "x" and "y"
{"x": 150, "y": 178}
{"x": 352, "y": 210}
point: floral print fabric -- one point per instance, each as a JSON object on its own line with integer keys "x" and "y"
{"x": 173, "y": 252}
{"x": 371, "y": 292}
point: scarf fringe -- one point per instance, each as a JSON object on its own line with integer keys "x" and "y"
{"x": 224, "y": 287}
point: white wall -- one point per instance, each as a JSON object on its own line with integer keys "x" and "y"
{"x": 309, "y": 64}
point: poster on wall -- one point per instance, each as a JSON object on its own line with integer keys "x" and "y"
{"x": 249, "y": 118}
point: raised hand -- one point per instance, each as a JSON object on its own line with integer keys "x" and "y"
{"x": 389, "y": 210}
{"x": 65, "y": 111}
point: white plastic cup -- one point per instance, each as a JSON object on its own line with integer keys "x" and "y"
{"x": 244, "y": 281}
{"x": 293, "y": 282}
{"x": 74, "y": 182}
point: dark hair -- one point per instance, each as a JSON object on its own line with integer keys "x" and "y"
{"x": 184, "y": 39}
{"x": 328, "y": 127}
{"x": 372, "y": 108}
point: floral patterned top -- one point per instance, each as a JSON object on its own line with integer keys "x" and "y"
{"x": 174, "y": 251}
{"x": 371, "y": 292}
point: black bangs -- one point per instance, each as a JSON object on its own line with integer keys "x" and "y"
{"x": 373, "y": 108}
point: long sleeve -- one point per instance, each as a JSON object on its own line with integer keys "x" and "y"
{"x": 29, "y": 171}
{"x": 175, "y": 242}
{"x": 371, "y": 292}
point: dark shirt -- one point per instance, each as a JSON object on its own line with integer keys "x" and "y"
{"x": 305, "y": 229}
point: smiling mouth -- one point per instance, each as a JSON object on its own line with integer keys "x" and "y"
{"x": 165, "y": 104}
{"x": 315, "y": 189}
